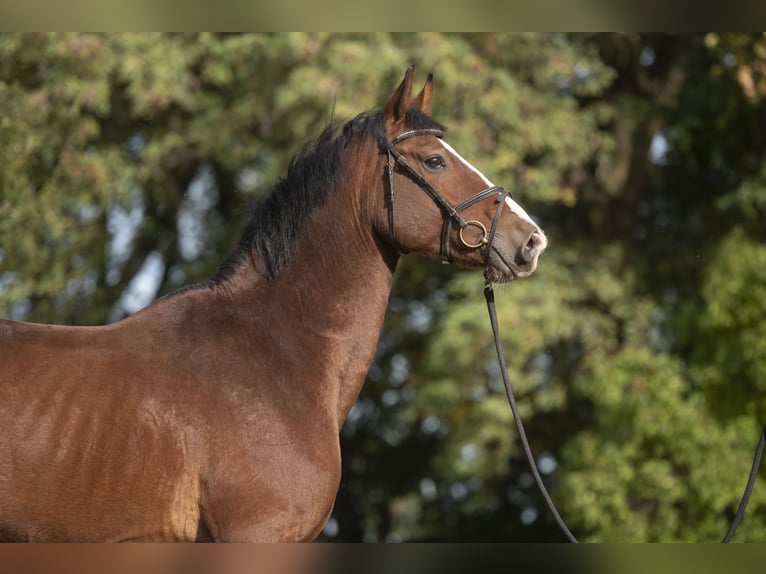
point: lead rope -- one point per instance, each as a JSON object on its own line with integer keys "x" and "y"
{"x": 489, "y": 295}
{"x": 748, "y": 489}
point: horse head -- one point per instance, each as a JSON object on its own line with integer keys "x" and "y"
{"x": 440, "y": 205}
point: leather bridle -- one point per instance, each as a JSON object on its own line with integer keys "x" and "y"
{"x": 451, "y": 213}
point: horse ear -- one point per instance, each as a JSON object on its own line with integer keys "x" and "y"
{"x": 399, "y": 101}
{"x": 423, "y": 100}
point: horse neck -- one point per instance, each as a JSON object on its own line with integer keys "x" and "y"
{"x": 329, "y": 301}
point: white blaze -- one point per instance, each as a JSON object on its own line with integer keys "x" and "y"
{"x": 512, "y": 205}
{"x": 468, "y": 165}
{"x": 518, "y": 210}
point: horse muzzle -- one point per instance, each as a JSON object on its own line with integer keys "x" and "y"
{"x": 510, "y": 259}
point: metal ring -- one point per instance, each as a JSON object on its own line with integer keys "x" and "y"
{"x": 484, "y": 239}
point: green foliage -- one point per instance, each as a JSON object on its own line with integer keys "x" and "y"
{"x": 655, "y": 465}
{"x": 638, "y": 349}
{"x": 729, "y": 354}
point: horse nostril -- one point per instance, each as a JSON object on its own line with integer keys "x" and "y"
{"x": 534, "y": 246}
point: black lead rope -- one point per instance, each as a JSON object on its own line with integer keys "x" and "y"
{"x": 489, "y": 294}
{"x": 748, "y": 489}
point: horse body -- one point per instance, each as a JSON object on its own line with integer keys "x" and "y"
{"x": 184, "y": 401}
{"x": 215, "y": 412}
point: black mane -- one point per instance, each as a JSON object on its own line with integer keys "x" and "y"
{"x": 278, "y": 219}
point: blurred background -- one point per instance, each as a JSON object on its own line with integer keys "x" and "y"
{"x": 638, "y": 349}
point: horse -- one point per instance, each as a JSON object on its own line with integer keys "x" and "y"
{"x": 214, "y": 413}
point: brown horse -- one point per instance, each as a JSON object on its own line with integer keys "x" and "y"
{"x": 214, "y": 413}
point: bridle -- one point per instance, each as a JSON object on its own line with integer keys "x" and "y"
{"x": 451, "y": 213}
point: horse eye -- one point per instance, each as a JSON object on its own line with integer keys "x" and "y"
{"x": 435, "y": 162}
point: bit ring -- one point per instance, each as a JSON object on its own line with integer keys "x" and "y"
{"x": 484, "y": 238}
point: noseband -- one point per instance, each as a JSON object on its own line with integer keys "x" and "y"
{"x": 451, "y": 214}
